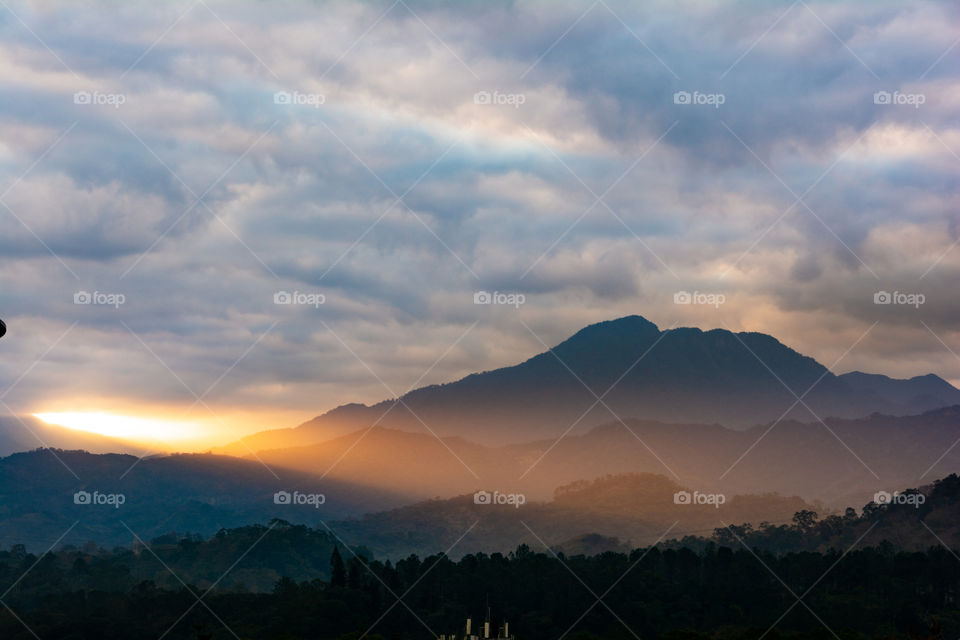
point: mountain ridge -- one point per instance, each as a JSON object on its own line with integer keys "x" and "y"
{"x": 836, "y": 461}
{"x": 194, "y": 492}
{"x": 682, "y": 374}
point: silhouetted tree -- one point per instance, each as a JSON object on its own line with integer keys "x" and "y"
{"x": 338, "y": 573}
{"x": 805, "y": 519}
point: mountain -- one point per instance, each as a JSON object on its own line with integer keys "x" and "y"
{"x": 840, "y": 461}
{"x": 683, "y": 375}
{"x": 187, "y": 493}
{"x": 202, "y": 494}
{"x": 635, "y": 507}
{"x": 25, "y": 433}
{"x": 915, "y": 395}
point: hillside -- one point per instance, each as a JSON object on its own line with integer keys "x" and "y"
{"x": 841, "y": 462}
{"x": 188, "y": 493}
{"x": 638, "y": 508}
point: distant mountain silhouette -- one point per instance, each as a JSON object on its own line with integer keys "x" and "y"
{"x": 841, "y": 462}
{"x": 915, "y": 395}
{"x": 187, "y": 493}
{"x": 636, "y": 507}
{"x": 201, "y": 494}
{"x": 682, "y": 375}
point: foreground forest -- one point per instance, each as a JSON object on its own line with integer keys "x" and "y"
{"x": 813, "y": 578}
{"x": 672, "y": 594}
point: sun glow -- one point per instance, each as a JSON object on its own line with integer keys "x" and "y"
{"x": 125, "y": 427}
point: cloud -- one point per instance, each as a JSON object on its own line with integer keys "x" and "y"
{"x": 437, "y": 150}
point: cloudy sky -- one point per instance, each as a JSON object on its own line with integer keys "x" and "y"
{"x": 177, "y": 166}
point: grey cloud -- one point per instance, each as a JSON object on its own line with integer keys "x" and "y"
{"x": 299, "y": 199}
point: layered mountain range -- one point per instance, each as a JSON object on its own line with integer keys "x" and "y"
{"x": 739, "y": 414}
{"x": 840, "y": 461}
{"x": 629, "y": 368}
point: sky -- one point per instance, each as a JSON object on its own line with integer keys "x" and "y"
{"x": 236, "y": 216}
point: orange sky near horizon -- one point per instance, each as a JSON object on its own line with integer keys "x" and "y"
{"x": 169, "y": 429}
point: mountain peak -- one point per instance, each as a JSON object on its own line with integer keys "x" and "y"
{"x": 612, "y": 341}
{"x": 627, "y": 326}
{"x": 628, "y": 368}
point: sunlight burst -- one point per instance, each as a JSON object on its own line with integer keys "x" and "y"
{"x": 118, "y": 426}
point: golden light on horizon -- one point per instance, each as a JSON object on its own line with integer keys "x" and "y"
{"x": 123, "y": 427}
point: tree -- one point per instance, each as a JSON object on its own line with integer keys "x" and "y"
{"x": 354, "y": 573}
{"x": 805, "y": 519}
{"x": 338, "y": 573}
